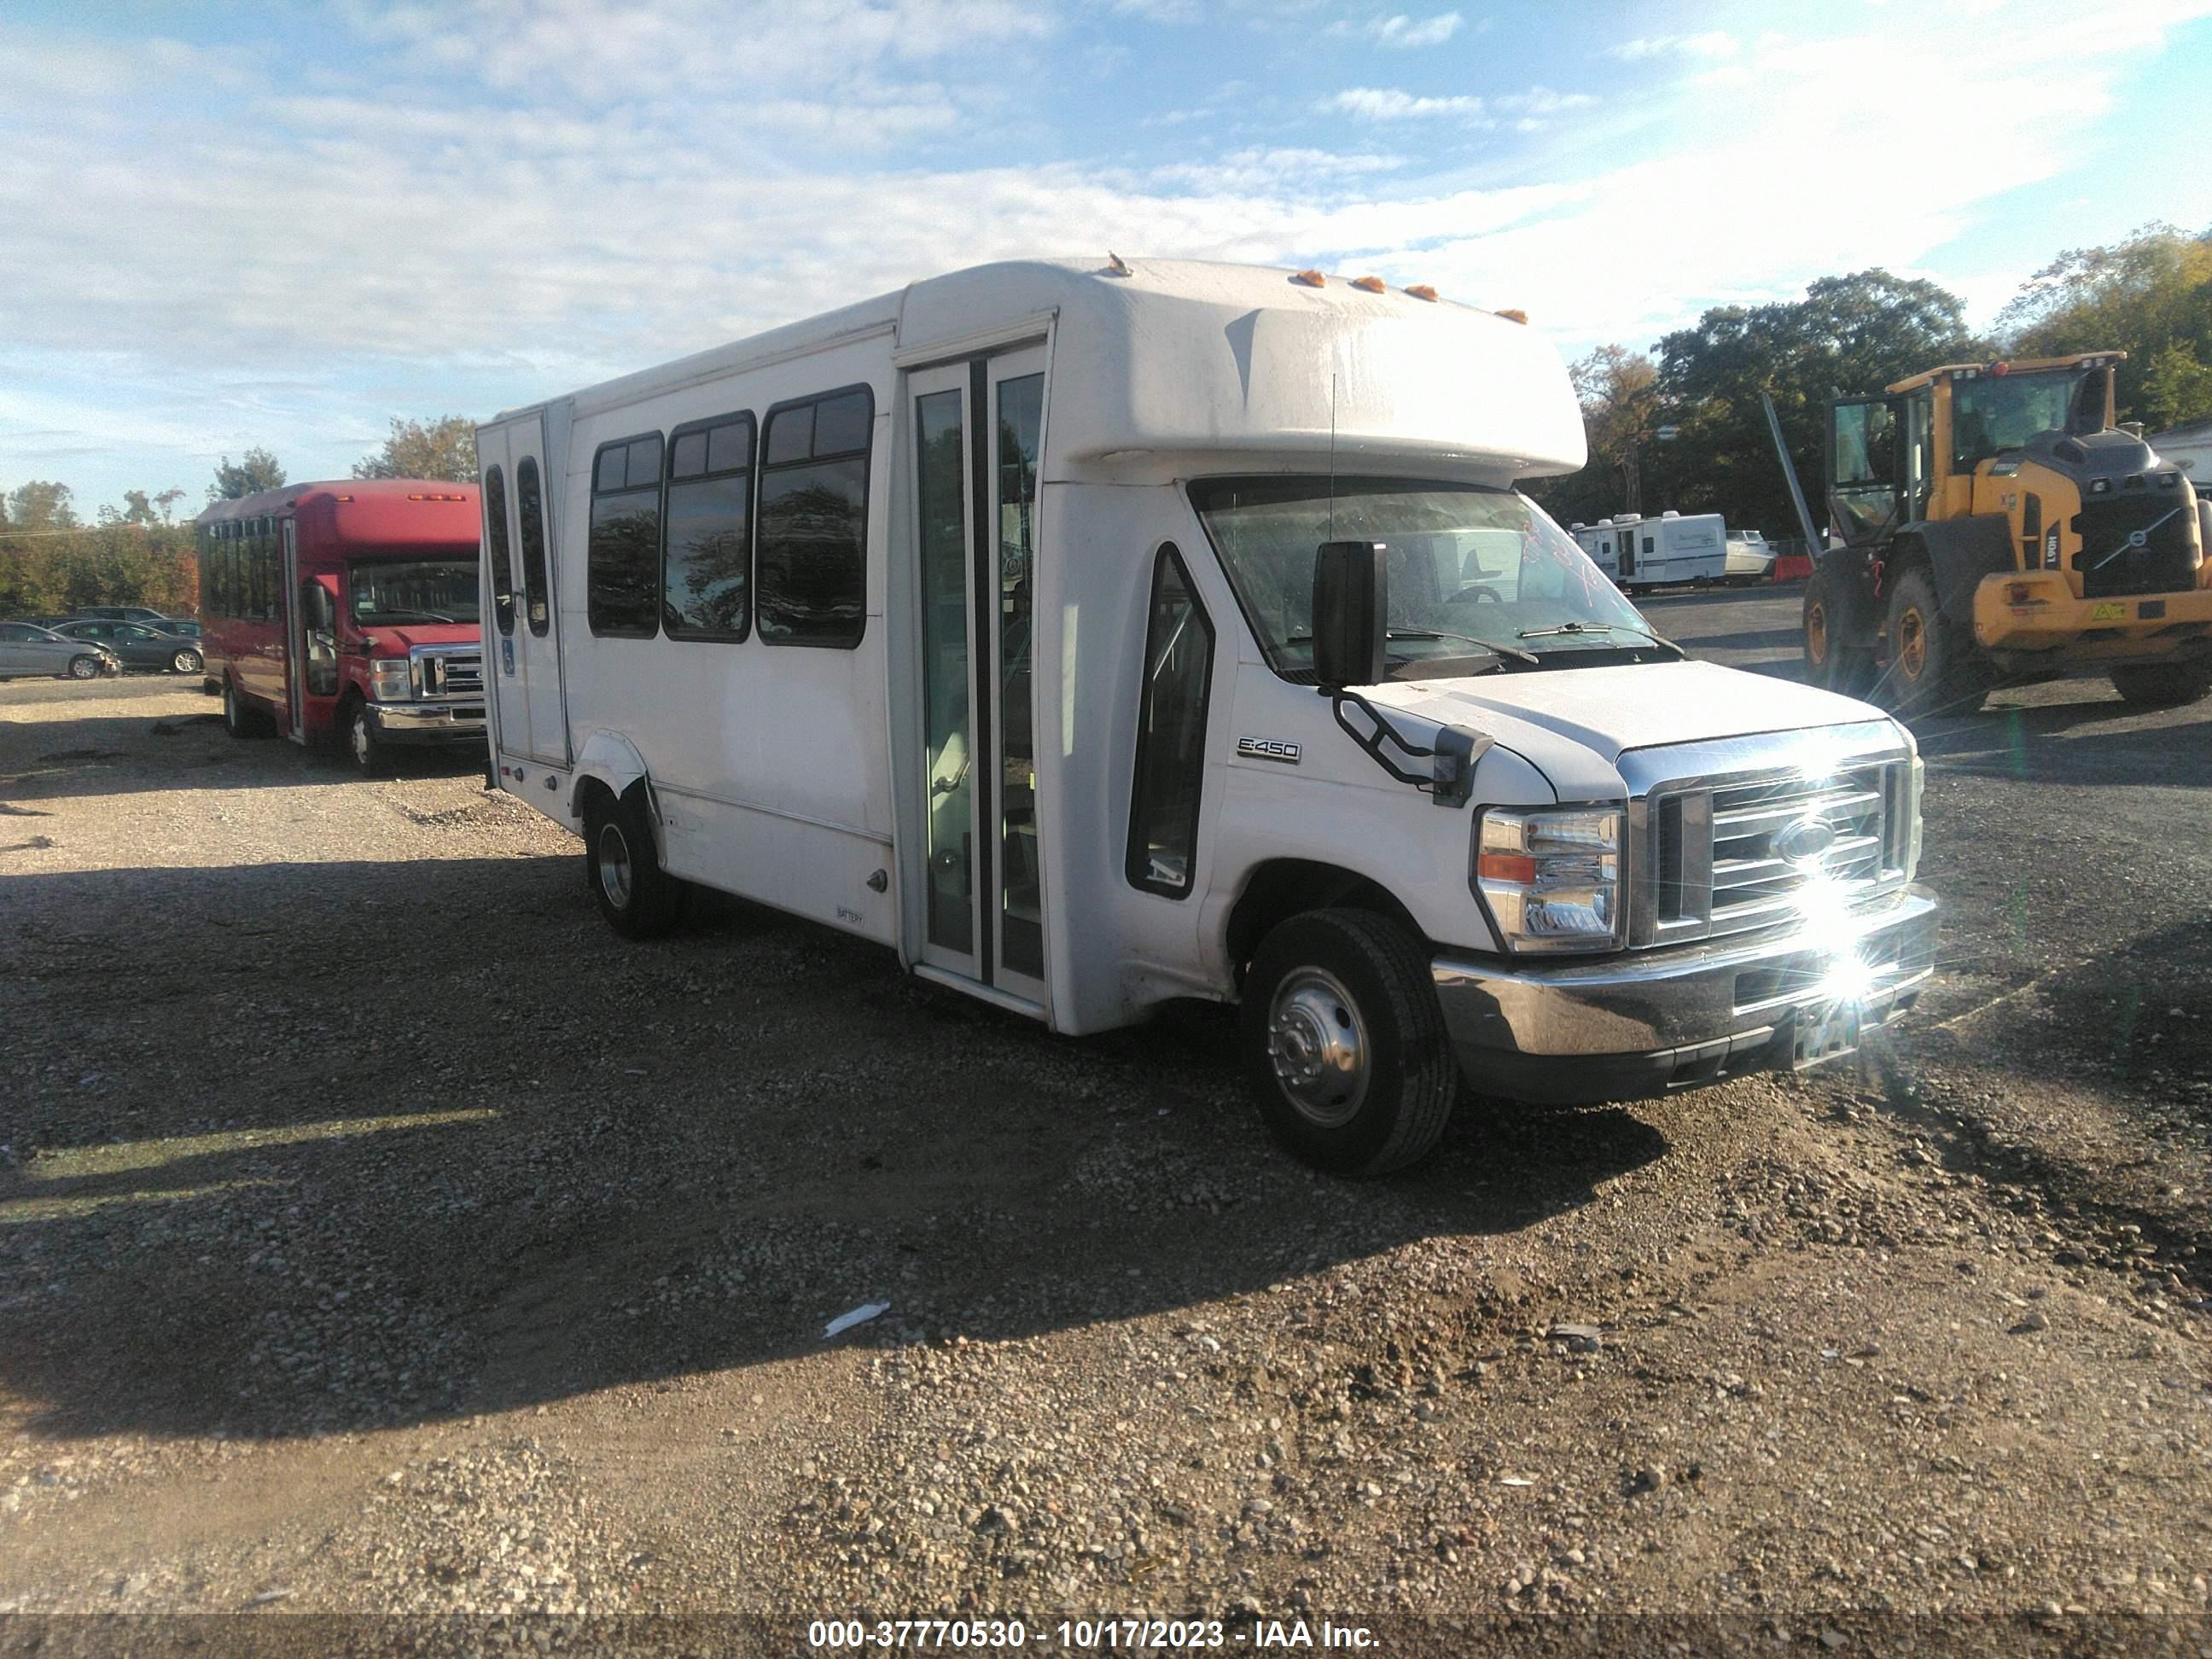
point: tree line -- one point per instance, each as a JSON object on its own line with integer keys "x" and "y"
{"x": 2150, "y": 296}
{"x": 52, "y": 561}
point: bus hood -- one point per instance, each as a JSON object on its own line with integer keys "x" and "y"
{"x": 1574, "y": 724}
{"x": 391, "y": 640}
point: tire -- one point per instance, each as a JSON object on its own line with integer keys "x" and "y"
{"x": 639, "y": 899}
{"x": 237, "y": 720}
{"x": 1357, "y": 984}
{"x": 84, "y": 668}
{"x": 1830, "y": 663}
{"x": 186, "y": 662}
{"x": 1934, "y": 667}
{"x": 2162, "y": 684}
{"x": 357, "y": 734}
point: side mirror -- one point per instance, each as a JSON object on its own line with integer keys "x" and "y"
{"x": 1351, "y": 594}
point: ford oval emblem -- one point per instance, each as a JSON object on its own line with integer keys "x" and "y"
{"x": 1804, "y": 842}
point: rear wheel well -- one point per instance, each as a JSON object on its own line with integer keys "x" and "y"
{"x": 590, "y": 791}
{"x": 1282, "y": 888}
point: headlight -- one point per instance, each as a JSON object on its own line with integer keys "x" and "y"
{"x": 1551, "y": 879}
{"x": 389, "y": 679}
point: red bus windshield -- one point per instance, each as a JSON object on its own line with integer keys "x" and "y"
{"x": 395, "y": 592}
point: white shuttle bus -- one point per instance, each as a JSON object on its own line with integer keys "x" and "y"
{"x": 1097, "y": 635}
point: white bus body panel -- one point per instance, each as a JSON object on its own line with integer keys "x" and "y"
{"x": 783, "y": 774}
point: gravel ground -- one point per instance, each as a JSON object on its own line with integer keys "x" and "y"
{"x": 378, "y": 1233}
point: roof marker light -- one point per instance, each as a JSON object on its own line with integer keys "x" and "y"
{"x": 1370, "y": 285}
{"x": 1423, "y": 291}
{"x": 1311, "y": 279}
{"x": 1514, "y": 316}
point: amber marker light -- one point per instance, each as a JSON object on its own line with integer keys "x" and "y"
{"x": 1514, "y": 316}
{"x": 1423, "y": 291}
{"x": 1518, "y": 867}
{"x": 1311, "y": 279}
{"x": 1370, "y": 285}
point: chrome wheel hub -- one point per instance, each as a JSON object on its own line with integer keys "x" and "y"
{"x": 360, "y": 736}
{"x": 614, "y": 867}
{"x": 1319, "y": 1047}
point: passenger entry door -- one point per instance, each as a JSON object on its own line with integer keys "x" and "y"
{"x": 976, "y": 434}
{"x": 521, "y": 634}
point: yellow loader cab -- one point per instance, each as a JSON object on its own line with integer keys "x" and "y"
{"x": 1996, "y": 528}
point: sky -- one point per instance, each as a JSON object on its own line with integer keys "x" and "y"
{"x": 284, "y": 225}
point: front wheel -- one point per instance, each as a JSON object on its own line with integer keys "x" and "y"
{"x": 2162, "y": 684}
{"x": 1935, "y": 668}
{"x": 1345, "y": 1045}
{"x": 365, "y": 745}
{"x": 186, "y": 662}
{"x": 84, "y": 668}
{"x": 639, "y": 899}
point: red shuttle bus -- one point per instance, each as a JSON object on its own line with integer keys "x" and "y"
{"x": 346, "y": 612}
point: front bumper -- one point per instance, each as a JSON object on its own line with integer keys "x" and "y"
{"x": 2047, "y": 617}
{"x": 428, "y": 722}
{"x": 1633, "y": 1025}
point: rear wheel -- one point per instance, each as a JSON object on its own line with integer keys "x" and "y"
{"x": 1935, "y": 668}
{"x": 639, "y": 899}
{"x": 84, "y": 668}
{"x": 1831, "y": 662}
{"x": 1344, "y": 1042}
{"x": 2162, "y": 684}
{"x": 237, "y": 720}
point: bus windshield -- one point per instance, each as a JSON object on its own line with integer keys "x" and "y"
{"x": 398, "y": 591}
{"x": 1994, "y": 412}
{"x": 1468, "y": 568}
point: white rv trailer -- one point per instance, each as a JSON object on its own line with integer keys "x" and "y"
{"x": 1671, "y": 551}
{"x": 990, "y": 619}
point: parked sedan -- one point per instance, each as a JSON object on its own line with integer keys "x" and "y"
{"x": 26, "y": 649}
{"x": 139, "y": 645}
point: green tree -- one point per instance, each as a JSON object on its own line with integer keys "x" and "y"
{"x": 2177, "y": 389}
{"x": 1848, "y": 335}
{"x": 1619, "y": 394}
{"x": 445, "y": 448}
{"x": 40, "y": 505}
{"x": 2150, "y": 296}
{"x": 257, "y": 470}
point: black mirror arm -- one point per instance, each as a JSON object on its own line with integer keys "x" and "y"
{"x": 1449, "y": 780}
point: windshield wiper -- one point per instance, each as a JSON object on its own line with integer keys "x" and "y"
{"x": 1592, "y": 628}
{"x": 1490, "y": 646}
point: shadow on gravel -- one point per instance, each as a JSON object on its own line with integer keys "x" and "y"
{"x": 2094, "y": 743}
{"x": 116, "y": 755}
{"x": 404, "y": 1141}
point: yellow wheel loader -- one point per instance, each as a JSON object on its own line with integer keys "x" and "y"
{"x": 1990, "y": 525}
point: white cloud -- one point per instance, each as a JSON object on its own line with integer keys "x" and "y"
{"x": 1542, "y": 102}
{"x": 1405, "y": 32}
{"x": 1389, "y": 104}
{"x": 1712, "y": 45}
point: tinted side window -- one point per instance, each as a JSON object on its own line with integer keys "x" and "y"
{"x": 496, "y": 549}
{"x": 706, "y": 529}
{"x": 813, "y": 533}
{"x": 1171, "y": 732}
{"x": 530, "y": 509}
{"x": 622, "y": 567}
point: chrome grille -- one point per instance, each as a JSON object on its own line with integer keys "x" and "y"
{"x": 452, "y": 673}
{"x": 1754, "y": 880}
{"x": 1719, "y": 846}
